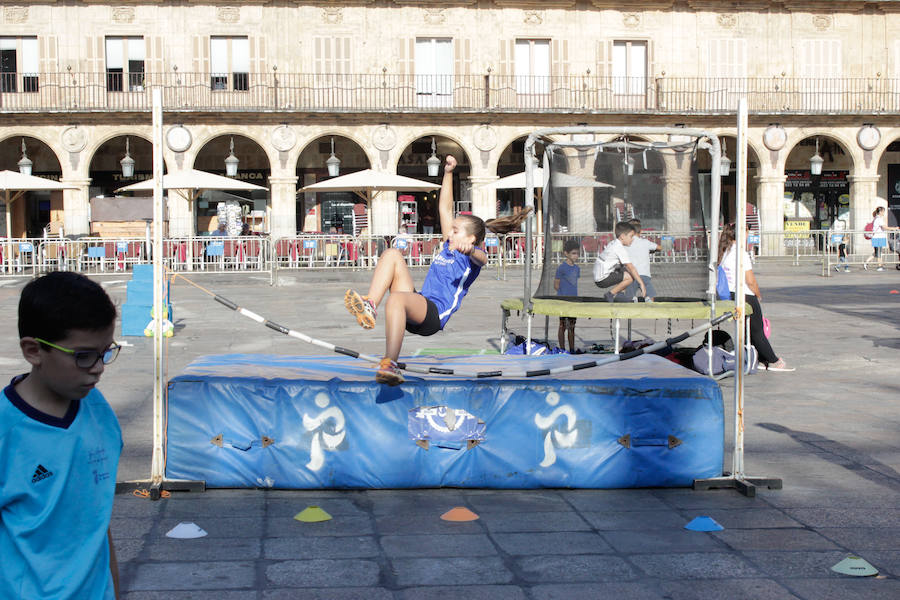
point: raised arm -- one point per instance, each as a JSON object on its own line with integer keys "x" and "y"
{"x": 445, "y": 201}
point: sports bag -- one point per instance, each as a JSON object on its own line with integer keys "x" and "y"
{"x": 722, "y": 291}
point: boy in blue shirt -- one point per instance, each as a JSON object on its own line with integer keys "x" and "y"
{"x": 59, "y": 447}
{"x": 566, "y": 284}
{"x": 446, "y": 284}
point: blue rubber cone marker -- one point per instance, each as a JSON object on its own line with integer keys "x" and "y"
{"x": 704, "y": 524}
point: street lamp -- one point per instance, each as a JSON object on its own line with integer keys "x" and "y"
{"x": 25, "y": 163}
{"x": 433, "y": 162}
{"x": 333, "y": 163}
{"x": 725, "y": 163}
{"x": 231, "y": 161}
{"x": 816, "y": 161}
{"x": 127, "y": 162}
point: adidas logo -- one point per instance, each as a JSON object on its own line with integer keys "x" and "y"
{"x": 40, "y": 474}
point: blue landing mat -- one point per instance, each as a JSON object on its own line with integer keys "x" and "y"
{"x": 322, "y": 422}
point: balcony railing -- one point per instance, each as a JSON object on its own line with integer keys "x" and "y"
{"x": 361, "y": 93}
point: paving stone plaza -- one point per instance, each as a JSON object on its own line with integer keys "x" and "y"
{"x": 830, "y": 431}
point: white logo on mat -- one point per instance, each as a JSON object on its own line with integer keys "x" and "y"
{"x": 321, "y": 438}
{"x": 556, "y": 438}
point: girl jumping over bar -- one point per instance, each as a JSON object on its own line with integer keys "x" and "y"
{"x": 446, "y": 283}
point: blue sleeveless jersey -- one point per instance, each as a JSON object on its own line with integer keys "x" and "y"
{"x": 448, "y": 280}
{"x": 57, "y": 480}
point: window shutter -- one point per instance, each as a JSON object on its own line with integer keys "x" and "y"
{"x": 406, "y": 52}
{"x": 604, "y": 59}
{"x": 154, "y": 61}
{"x": 94, "y": 54}
{"x": 462, "y": 50}
{"x": 560, "y": 57}
{"x": 201, "y": 54}
{"x": 258, "y": 55}
{"x": 48, "y": 56}
{"x": 507, "y": 55}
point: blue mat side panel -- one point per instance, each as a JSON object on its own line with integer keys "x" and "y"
{"x": 340, "y": 433}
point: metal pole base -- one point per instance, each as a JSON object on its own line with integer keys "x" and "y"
{"x": 156, "y": 487}
{"x": 745, "y": 485}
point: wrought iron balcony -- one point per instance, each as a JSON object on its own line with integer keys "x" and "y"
{"x": 386, "y": 93}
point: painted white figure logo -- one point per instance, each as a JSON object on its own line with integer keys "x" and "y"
{"x": 556, "y": 438}
{"x": 321, "y": 438}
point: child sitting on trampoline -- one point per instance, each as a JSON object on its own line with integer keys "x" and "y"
{"x": 446, "y": 284}
{"x": 613, "y": 268}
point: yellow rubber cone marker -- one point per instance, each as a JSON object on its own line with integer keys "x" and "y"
{"x": 312, "y": 514}
{"x": 460, "y": 514}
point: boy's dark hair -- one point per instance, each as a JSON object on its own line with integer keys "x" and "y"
{"x": 58, "y": 302}
{"x": 475, "y": 226}
{"x": 636, "y": 223}
{"x": 623, "y": 227}
{"x": 571, "y": 245}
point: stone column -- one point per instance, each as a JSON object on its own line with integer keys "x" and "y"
{"x": 282, "y": 206}
{"x": 484, "y": 198}
{"x": 76, "y": 206}
{"x": 863, "y": 200}
{"x": 677, "y": 202}
{"x": 384, "y": 214}
{"x": 770, "y": 202}
{"x": 181, "y": 213}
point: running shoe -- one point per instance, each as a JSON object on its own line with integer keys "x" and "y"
{"x": 865, "y": 266}
{"x": 779, "y": 366}
{"x": 609, "y": 297}
{"x": 846, "y": 269}
{"x": 880, "y": 269}
{"x": 361, "y": 308}
{"x": 388, "y": 373}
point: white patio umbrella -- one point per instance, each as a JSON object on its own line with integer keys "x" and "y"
{"x": 368, "y": 183}
{"x": 14, "y": 185}
{"x": 559, "y": 180}
{"x": 192, "y": 179}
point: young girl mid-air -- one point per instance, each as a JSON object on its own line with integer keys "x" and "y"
{"x": 448, "y": 279}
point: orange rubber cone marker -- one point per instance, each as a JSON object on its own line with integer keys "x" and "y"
{"x": 459, "y": 514}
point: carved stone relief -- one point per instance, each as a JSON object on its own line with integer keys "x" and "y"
{"x": 228, "y": 14}
{"x": 631, "y": 20}
{"x": 534, "y": 17}
{"x": 123, "y": 14}
{"x": 726, "y": 21}
{"x": 15, "y": 14}
{"x": 333, "y": 15}
{"x": 822, "y": 22}
{"x": 435, "y": 16}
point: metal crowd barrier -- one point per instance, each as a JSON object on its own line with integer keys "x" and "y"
{"x": 217, "y": 254}
{"x": 214, "y": 254}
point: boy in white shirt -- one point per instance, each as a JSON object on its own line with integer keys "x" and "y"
{"x": 639, "y": 251}
{"x": 614, "y": 268}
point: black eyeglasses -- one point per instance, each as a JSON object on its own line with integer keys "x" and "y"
{"x": 86, "y": 359}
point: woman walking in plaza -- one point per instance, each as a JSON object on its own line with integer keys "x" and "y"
{"x": 879, "y": 239}
{"x": 753, "y": 297}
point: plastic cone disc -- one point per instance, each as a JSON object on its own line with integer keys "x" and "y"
{"x": 460, "y": 513}
{"x": 186, "y": 531}
{"x": 856, "y": 566}
{"x": 704, "y": 524}
{"x": 312, "y": 514}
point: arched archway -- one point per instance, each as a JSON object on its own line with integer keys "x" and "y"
{"x": 818, "y": 199}
{"x": 889, "y": 181}
{"x": 331, "y": 212}
{"x": 253, "y": 166}
{"x": 413, "y": 162}
{"x": 728, "y": 193}
{"x": 34, "y": 212}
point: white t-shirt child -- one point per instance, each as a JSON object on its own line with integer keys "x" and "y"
{"x": 613, "y": 255}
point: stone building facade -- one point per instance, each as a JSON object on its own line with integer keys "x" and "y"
{"x": 383, "y": 78}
